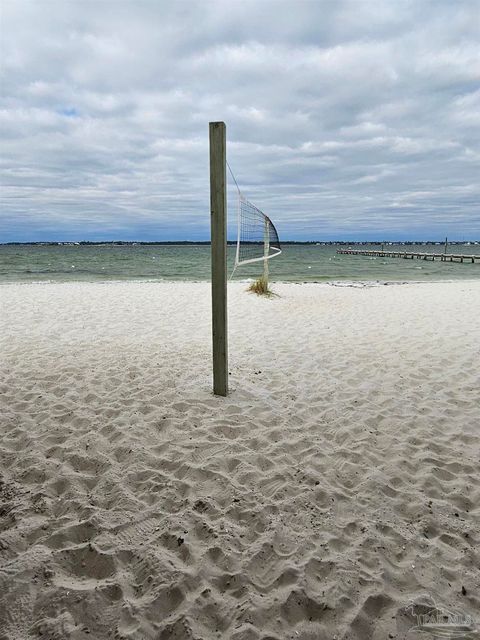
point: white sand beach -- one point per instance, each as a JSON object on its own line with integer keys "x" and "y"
{"x": 338, "y": 481}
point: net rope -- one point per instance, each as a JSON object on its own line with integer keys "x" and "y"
{"x": 257, "y": 238}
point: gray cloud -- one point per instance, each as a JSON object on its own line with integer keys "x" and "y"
{"x": 345, "y": 119}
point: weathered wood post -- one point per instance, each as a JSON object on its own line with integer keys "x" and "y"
{"x": 218, "y": 220}
{"x": 266, "y": 250}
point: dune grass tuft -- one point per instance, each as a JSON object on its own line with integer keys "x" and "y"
{"x": 260, "y": 287}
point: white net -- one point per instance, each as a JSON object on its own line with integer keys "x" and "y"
{"x": 257, "y": 237}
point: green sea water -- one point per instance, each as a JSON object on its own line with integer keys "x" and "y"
{"x": 297, "y": 263}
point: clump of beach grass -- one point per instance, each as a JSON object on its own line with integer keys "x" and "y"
{"x": 260, "y": 287}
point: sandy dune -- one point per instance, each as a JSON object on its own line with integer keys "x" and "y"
{"x": 336, "y": 484}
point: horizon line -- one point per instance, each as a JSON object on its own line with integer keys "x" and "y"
{"x": 231, "y": 242}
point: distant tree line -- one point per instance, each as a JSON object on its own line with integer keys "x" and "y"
{"x": 131, "y": 243}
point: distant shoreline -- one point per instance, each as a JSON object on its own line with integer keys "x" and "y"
{"x": 133, "y": 243}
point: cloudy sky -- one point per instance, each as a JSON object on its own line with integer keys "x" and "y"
{"x": 345, "y": 119}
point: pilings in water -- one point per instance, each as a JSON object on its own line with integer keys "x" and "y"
{"x": 412, "y": 255}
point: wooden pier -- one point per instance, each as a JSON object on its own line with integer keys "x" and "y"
{"x": 412, "y": 255}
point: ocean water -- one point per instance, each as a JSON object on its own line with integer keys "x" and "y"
{"x": 297, "y": 263}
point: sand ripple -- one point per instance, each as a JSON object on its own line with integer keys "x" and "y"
{"x": 338, "y": 482}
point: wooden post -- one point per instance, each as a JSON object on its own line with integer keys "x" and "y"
{"x": 218, "y": 219}
{"x": 446, "y": 245}
{"x": 266, "y": 250}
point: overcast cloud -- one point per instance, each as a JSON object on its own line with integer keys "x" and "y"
{"x": 345, "y": 119}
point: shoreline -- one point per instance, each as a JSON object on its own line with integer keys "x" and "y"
{"x": 346, "y": 282}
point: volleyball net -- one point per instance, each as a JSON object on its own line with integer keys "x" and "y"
{"x": 257, "y": 237}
